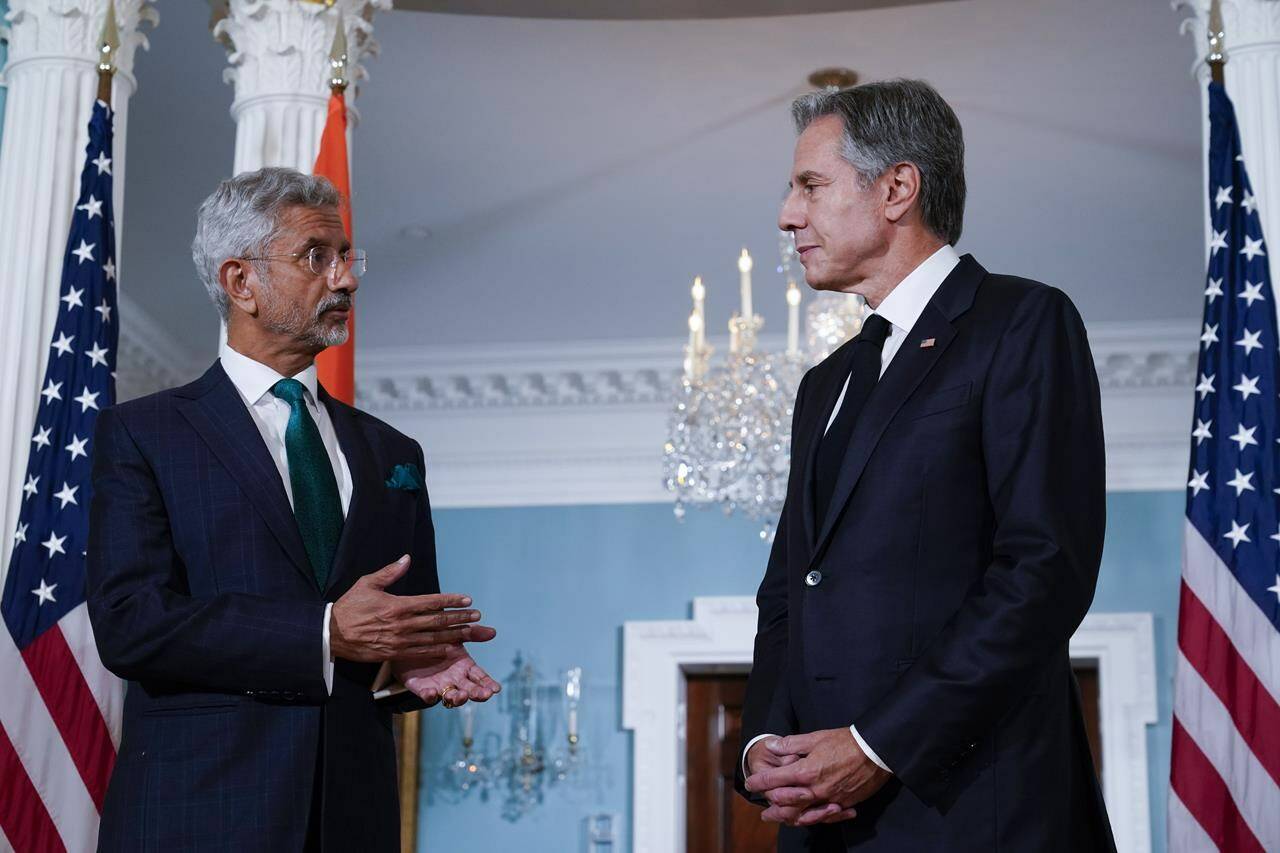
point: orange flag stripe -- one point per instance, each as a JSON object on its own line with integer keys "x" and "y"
{"x": 336, "y": 366}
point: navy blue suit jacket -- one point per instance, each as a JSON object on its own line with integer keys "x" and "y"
{"x": 959, "y": 554}
{"x": 201, "y": 595}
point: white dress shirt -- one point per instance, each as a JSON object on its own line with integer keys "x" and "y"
{"x": 902, "y": 308}
{"x": 254, "y": 380}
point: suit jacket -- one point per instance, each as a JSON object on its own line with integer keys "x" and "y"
{"x": 959, "y": 554}
{"x": 201, "y": 595}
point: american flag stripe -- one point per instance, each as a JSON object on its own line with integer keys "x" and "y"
{"x": 104, "y": 686}
{"x": 43, "y": 756}
{"x": 74, "y": 710}
{"x": 1206, "y": 796}
{"x": 1253, "y": 711}
{"x": 22, "y": 813}
{"x": 1251, "y": 634}
{"x": 1186, "y": 835}
{"x": 1208, "y": 723}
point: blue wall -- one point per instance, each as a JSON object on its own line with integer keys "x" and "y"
{"x": 560, "y": 581}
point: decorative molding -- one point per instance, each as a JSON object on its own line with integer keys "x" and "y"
{"x": 150, "y": 359}
{"x": 658, "y": 655}
{"x": 67, "y": 32}
{"x": 584, "y": 422}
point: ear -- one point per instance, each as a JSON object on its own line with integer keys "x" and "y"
{"x": 239, "y": 279}
{"x": 902, "y": 190}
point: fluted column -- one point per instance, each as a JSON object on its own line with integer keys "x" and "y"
{"x": 278, "y": 52}
{"x": 52, "y": 81}
{"x": 1252, "y": 77}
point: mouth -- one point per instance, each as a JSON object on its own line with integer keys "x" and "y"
{"x": 801, "y": 250}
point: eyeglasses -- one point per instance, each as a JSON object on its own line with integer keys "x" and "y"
{"x": 321, "y": 259}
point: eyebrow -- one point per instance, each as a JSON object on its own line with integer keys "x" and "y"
{"x": 344, "y": 246}
{"x": 808, "y": 176}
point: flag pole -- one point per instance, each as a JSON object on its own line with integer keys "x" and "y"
{"x": 107, "y": 47}
{"x": 1217, "y": 55}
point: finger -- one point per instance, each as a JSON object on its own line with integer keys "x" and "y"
{"x": 412, "y": 605}
{"x": 480, "y": 633}
{"x": 792, "y": 796}
{"x": 780, "y": 814}
{"x": 843, "y": 814}
{"x": 429, "y": 695}
{"x": 792, "y": 745}
{"x": 443, "y": 637}
{"x": 479, "y": 676}
{"x": 818, "y": 814}
{"x": 456, "y": 698}
{"x": 777, "y": 777}
{"x": 389, "y": 574}
{"x": 439, "y": 621}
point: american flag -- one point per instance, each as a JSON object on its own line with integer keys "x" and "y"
{"x": 1225, "y": 763}
{"x": 59, "y": 707}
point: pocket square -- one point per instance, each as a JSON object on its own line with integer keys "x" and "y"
{"x": 406, "y": 476}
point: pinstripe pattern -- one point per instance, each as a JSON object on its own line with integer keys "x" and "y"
{"x": 201, "y": 594}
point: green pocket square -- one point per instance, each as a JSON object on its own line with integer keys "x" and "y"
{"x": 406, "y": 476}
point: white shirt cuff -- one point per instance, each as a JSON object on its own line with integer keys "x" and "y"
{"x": 871, "y": 753}
{"x": 747, "y": 749}
{"x": 324, "y": 648}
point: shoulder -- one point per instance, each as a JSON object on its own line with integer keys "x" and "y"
{"x": 1011, "y": 300}
{"x": 377, "y": 430}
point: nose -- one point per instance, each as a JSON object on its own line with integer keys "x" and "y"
{"x": 342, "y": 278}
{"x": 791, "y": 216}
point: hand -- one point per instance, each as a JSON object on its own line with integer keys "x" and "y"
{"x": 370, "y": 624}
{"x": 760, "y": 757}
{"x": 430, "y": 681}
{"x": 830, "y": 777}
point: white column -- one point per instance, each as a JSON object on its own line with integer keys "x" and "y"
{"x": 278, "y": 52}
{"x": 1252, "y": 77}
{"x": 52, "y": 81}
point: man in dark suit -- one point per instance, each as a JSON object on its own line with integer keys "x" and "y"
{"x": 258, "y": 550}
{"x": 940, "y": 543}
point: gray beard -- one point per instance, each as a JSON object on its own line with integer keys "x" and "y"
{"x": 289, "y": 319}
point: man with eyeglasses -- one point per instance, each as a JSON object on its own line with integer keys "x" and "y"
{"x": 262, "y": 559}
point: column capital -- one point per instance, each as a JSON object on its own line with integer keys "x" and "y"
{"x": 68, "y": 31}
{"x": 1249, "y": 26}
{"x": 280, "y": 48}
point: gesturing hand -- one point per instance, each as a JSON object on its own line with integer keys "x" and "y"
{"x": 431, "y": 681}
{"x": 370, "y": 624}
{"x": 830, "y": 776}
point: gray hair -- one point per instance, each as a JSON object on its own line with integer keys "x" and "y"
{"x": 899, "y": 121}
{"x": 242, "y": 216}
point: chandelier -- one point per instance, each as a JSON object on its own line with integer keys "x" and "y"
{"x": 520, "y": 769}
{"x": 729, "y": 434}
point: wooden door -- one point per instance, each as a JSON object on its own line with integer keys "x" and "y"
{"x": 717, "y": 819}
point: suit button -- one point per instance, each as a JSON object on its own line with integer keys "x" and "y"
{"x": 813, "y": 578}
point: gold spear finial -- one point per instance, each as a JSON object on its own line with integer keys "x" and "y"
{"x": 107, "y": 47}
{"x": 338, "y": 57}
{"x": 1217, "y": 53}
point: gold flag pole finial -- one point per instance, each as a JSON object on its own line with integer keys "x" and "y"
{"x": 107, "y": 47}
{"x": 1217, "y": 55}
{"x": 338, "y": 58}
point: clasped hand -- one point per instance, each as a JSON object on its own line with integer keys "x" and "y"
{"x": 422, "y": 635}
{"x": 812, "y": 778}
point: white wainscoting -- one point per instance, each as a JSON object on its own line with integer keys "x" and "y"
{"x": 656, "y": 656}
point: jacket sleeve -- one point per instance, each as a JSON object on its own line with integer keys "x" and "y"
{"x": 146, "y": 623}
{"x": 1044, "y": 458}
{"x": 767, "y": 709}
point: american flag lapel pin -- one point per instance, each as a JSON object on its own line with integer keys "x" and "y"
{"x": 928, "y": 342}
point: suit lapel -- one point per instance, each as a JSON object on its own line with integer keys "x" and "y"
{"x": 825, "y": 394}
{"x": 218, "y": 414}
{"x": 364, "y": 482}
{"x": 908, "y": 369}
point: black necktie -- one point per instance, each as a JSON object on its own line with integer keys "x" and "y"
{"x": 862, "y": 378}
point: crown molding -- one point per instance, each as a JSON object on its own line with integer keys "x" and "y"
{"x": 583, "y": 422}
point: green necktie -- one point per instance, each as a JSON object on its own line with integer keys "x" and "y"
{"x": 316, "y": 503}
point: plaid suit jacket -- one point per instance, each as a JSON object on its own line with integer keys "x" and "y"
{"x": 201, "y": 596}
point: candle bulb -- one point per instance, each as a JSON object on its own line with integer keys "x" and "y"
{"x": 699, "y": 308}
{"x": 793, "y": 319}
{"x": 733, "y": 334}
{"x": 695, "y": 340}
{"x": 744, "y": 267}
{"x": 468, "y": 722}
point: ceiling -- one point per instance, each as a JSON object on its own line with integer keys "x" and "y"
{"x": 534, "y": 180}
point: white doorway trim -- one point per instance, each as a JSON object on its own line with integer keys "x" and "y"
{"x": 656, "y": 656}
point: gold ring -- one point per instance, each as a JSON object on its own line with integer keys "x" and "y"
{"x": 444, "y": 695}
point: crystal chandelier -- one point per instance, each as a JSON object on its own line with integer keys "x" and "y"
{"x": 729, "y": 436}
{"x": 522, "y": 768}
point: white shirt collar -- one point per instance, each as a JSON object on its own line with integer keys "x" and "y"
{"x": 253, "y": 379}
{"x": 905, "y": 303}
